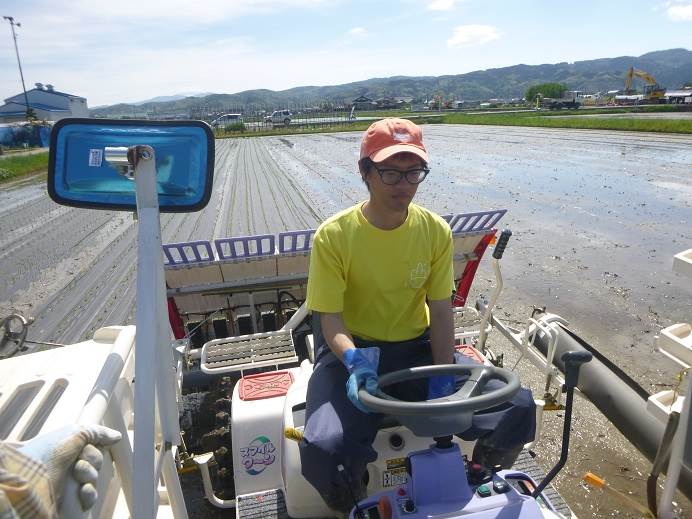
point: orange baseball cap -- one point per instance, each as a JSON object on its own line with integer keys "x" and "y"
{"x": 391, "y": 136}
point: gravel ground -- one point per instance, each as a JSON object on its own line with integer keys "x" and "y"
{"x": 596, "y": 217}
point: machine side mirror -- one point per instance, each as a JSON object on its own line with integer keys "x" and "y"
{"x": 88, "y": 163}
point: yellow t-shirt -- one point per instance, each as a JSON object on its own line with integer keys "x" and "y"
{"x": 379, "y": 280}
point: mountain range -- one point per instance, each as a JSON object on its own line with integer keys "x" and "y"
{"x": 175, "y": 97}
{"x": 672, "y": 69}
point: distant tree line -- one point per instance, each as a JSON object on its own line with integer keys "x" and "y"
{"x": 554, "y": 90}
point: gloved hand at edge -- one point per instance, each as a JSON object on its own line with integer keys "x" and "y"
{"x": 72, "y": 451}
{"x": 440, "y": 386}
{"x": 361, "y": 363}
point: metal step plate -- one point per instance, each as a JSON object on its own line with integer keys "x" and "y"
{"x": 248, "y": 351}
{"x": 526, "y": 464}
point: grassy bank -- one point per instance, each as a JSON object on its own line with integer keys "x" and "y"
{"x": 574, "y": 119}
{"x": 15, "y": 166}
{"x": 577, "y": 119}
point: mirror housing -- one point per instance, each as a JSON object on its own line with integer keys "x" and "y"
{"x": 83, "y": 173}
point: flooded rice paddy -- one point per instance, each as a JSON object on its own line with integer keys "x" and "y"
{"x": 596, "y": 218}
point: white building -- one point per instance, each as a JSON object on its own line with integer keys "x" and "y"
{"x": 679, "y": 96}
{"x": 48, "y": 105}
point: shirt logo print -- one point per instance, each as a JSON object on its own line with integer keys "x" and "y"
{"x": 419, "y": 275}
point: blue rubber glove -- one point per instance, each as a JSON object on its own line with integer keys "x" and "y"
{"x": 361, "y": 363}
{"x": 440, "y": 386}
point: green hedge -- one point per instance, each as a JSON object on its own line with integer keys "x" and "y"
{"x": 12, "y": 166}
{"x": 234, "y": 127}
{"x": 575, "y": 120}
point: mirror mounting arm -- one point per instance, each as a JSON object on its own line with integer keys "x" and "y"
{"x": 125, "y": 158}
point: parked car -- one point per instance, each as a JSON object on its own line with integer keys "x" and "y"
{"x": 278, "y": 117}
{"x": 227, "y": 119}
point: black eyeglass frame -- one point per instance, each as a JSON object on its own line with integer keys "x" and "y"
{"x": 402, "y": 174}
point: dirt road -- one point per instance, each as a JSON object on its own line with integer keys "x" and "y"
{"x": 596, "y": 218}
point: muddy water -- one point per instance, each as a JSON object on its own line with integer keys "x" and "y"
{"x": 596, "y": 218}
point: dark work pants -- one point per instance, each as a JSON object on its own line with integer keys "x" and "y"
{"x": 337, "y": 433}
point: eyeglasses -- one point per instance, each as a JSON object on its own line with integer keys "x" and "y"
{"x": 391, "y": 176}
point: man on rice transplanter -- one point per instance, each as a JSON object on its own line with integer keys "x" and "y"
{"x": 380, "y": 286}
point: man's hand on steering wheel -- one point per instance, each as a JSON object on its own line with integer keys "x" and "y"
{"x": 361, "y": 363}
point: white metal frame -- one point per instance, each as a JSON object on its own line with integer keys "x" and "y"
{"x": 682, "y": 263}
{"x": 468, "y": 325}
{"x": 155, "y": 396}
{"x": 489, "y": 309}
{"x": 524, "y": 341}
{"x": 202, "y": 462}
{"x": 99, "y": 409}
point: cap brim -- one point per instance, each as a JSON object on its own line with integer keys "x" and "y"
{"x": 384, "y": 154}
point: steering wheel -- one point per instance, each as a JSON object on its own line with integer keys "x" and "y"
{"x": 448, "y": 415}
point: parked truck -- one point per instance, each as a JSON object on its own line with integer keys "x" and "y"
{"x": 569, "y": 99}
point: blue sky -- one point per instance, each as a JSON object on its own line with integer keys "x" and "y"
{"x": 131, "y": 50}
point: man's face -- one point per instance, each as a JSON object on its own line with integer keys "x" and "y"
{"x": 395, "y": 197}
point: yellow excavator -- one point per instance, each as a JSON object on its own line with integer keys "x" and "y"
{"x": 652, "y": 90}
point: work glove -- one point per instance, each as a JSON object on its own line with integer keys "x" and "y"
{"x": 72, "y": 451}
{"x": 361, "y": 363}
{"x": 440, "y": 386}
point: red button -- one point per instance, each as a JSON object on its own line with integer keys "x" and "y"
{"x": 475, "y": 467}
{"x": 401, "y": 492}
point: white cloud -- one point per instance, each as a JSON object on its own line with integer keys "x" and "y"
{"x": 133, "y": 50}
{"x": 357, "y": 31}
{"x": 473, "y": 35}
{"x": 680, "y": 12}
{"x": 441, "y": 5}
{"x": 184, "y": 11}
{"x": 225, "y": 66}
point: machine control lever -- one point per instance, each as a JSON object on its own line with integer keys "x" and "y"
{"x": 573, "y": 361}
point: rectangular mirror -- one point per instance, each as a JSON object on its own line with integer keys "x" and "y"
{"x": 79, "y": 174}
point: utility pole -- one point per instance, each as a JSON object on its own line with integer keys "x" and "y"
{"x": 16, "y": 49}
